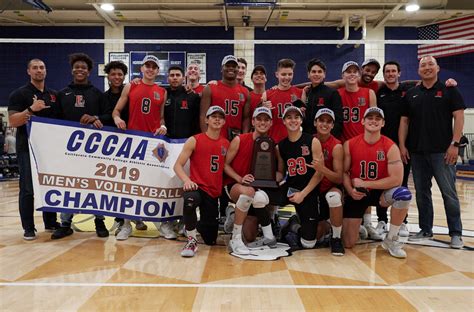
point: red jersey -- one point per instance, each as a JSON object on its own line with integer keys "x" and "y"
{"x": 327, "y": 148}
{"x": 145, "y": 102}
{"x": 232, "y": 100}
{"x": 255, "y": 100}
{"x": 207, "y": 163}
{"x": 242, "y": 161}
{"x": 373, "y": 85}
{"x": 369, "y": 161}
{"x": 354, "y": 105}
{"x": 198, "y": 89}
{"x": 280, "y": 100}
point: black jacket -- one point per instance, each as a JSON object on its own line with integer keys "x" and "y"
{"x": 182, "y": 113}
{"x": 76, "y": 100}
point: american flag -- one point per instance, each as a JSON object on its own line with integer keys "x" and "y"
{"x": 455, "y": 29}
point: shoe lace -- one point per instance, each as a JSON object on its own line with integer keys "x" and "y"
{"x": 191, "y": 244}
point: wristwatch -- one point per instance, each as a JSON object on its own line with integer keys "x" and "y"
{"x": 30, "y": 110}
{"x": 455, "y": 144}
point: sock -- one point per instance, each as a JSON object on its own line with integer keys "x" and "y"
{"x": 336, "y": 231}
{"x": 267, "y": 231}
{"x": 367, "y": 219}
{"x": 192, "y": 233}
{"x": 237, "y": 231}
{"x": 393, "y": 231}
{"x": 127, "y": 222}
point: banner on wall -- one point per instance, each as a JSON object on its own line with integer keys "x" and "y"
{"x": 123, "y": 57}
{"x": 125, "y": 174}
{"x": 167, "y": 59}
{"x": 200, "y": 59}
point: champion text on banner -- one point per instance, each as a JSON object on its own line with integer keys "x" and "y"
{"x": 127, "y": 174}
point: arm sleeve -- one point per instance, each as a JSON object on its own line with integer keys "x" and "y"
{"x": 456, "y": 100}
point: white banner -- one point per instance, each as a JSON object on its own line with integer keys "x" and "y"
{"x": 127, "y": 174}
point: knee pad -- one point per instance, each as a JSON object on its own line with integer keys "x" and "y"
{"x": 307, "y": 244}
{"x": 260, "y": 199}
{"x": 191, "y": 201}
{"x": 244, "y": 202}
{"x": 398, "y": 197}
{"x": 333, "y": 199}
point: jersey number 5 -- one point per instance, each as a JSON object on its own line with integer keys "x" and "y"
{"x": 214, "y": 163}
{"x": 146, "y": 104}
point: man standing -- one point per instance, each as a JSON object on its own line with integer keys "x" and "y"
{"x": 32, "y": 99}
{"x": 232, "y": 97}
{"x": 427, "y": 132}
{"x": 390, "y": 100}
{"x": 193, "y": 75}
{"x": 242, "y": 73}
{"x": 259, "y": 79}
{"x": 319, "y": 96}
{"x": 281, "y": 97}
{"x": 373, "y": 173}
{"x": 146, "y": 113}
{"x": 202, "y": 188}
{"x": 84, "y": 103}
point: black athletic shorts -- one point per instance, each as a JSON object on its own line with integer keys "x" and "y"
{"x": 356, "y": 208}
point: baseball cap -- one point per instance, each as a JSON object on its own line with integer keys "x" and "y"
{"x": 229, "y": 58}
{"x": 374, "y": 110}
{"x": 349, "y": 64}
{"x": 325, "y": 111}
{"x": 290, "y": 109}
{"x": 262, "y": 110}
{"x": 260, "y": 68}
{"x": 215, "y": 109}
{"x": 151, "y": 58}
{"x": 371, "y": 61}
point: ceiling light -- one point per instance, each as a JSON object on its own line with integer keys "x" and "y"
{"x": 107, "y": 7}
{"x": 412, "y": 7}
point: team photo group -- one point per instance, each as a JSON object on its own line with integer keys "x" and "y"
{"x": 332, "y": 149}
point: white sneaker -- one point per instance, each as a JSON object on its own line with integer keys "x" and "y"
{"x": 373, "y": 234}
{"x": 394, "y": 247}
{"x": 381, "y": 227}
{"x": 124, "y": 233}
{"x": 190, "y": 249}
{"x": 238, "y": 246}
{"x": 403, "y": 232}
{"x": 363, "y": 232}
{"x": 167, "y": 230}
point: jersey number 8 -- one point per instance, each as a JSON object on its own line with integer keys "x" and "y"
{"x": 146, "y": 105}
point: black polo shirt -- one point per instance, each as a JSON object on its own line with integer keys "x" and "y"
{"x": 431, "y": 117}
{"x": 391, "y": 102}
{"x": 319, "y": 97}
{"x": 21, "y": 99}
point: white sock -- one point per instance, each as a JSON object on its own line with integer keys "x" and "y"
{"x": 393, "y": 231}
{"x": 192, "y": 233}
{"x": 237, "y": 231}
{"x": 367, "y": 219}
{"x": 336, "y": 231}
{"x": 267, "y": 231}
{"x": 127, "y": 222}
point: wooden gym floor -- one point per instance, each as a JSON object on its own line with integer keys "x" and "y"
{"x": 86, "y": 273}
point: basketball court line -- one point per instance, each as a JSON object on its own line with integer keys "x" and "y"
{"x": 237, "y": 286}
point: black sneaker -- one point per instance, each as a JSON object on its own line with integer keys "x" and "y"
{"x": 276, "y": 226}
{"x": 337, "y": 249}
{"x": 53, "y": 227}
{"x": 29, "y": 235}
{"x": 100, "y": 228}
{"x": 420, "y": 236}
{"x": 61, "y": 232}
